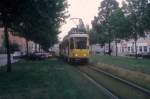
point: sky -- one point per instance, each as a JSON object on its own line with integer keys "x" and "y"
{"x": 85, "y": 9}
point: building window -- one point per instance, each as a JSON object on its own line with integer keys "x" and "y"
{"x": 132, "y": 49}
{"x": 128, "y": 49}
{"x": 140, "y": 48}
{"x": 145, "y": 48}
{"x": 71, "y": 43}
{"x": 123, "y": 49}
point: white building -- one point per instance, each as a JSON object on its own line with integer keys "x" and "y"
{"x": 55, "y": 48}
{"x": 96, "y": 49}
{"x": 128, "y": 47}
{"x": 122, "y": 48}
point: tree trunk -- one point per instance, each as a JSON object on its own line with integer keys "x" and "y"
{"x": 35, "y": 47}
{"x": 116, "y": 48}
{"x": 7, "y": 45}
{"x": 40, "y": 48}
{"x": 27, "y": 48}
{"x": 109, "y": 50}
{"x": 104, "y": 48}
{"x": 136, "y": 55}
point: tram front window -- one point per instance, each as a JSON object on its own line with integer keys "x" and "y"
{"x": 71, "y": 43}
{"x": 80, "y": 42}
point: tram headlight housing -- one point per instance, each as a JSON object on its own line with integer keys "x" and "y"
{"x": 84, "y": 54}
{"x": 76, "y": 55}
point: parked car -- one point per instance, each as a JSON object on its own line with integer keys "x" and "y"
{"x": 51, "y": 54}
{"x": 33, "y": 56}
{"x": 44, "y": 55}
{"x": 17, "y": 54}
{"x": 41, "y": 55}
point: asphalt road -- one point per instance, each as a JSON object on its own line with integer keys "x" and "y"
{"x": 3, "y": 59}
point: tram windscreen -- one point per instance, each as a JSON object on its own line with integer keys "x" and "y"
{"x": 80, "y": 42}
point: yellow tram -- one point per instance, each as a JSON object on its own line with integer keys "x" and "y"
{"x": 75, "y": 47}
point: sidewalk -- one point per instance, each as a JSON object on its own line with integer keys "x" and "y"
{"x": 3, "y": 60}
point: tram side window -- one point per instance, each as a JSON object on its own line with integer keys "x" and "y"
{"x": 71, "y": 43}
{"x": 81, "y": 43}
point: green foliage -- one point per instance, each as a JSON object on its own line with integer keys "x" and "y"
{"x": 106, "y": 8}
{"x": 36, "y": 20}
{"x": 119, "y": 25}
{"x": 146, "y": 17}
{"x": 135, "y": 10}
{"x": 93, "y": 37}
{"x": 130, "y": 21}
{"x": 101, "y": 22}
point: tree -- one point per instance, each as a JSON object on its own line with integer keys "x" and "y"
{"x": 48, "y": 13}
{"x": 98, "y": 34}
{"x": 135, "y": 12}
{"x": 119, "y": 25}
{"x": 105, "y": 10}
{"x": 146, "y": 18}
{"x": 94, "y": 36}
{"x": 36, "y": 20}
{"x": 8, "y": 10}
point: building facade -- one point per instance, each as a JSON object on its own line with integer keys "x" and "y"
{"x": 129, "y": 47}
{"x": 20, "y": 41}
{"x": 125, "y": 47}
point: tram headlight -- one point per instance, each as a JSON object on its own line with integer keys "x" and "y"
{"x": 76, "y": 54}
{"x": 84, "y": 54}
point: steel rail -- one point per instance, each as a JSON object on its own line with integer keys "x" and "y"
{"x": 105, "y": 90}
{"x": 120, "y": 79}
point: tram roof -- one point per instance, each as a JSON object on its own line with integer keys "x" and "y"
{"x": 77, "y": 31}
{"x": 78, "y": 35}
{"x": 75, "y": 35}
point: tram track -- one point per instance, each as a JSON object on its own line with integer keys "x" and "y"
{"x": 113, "y": 86}
{"x": 102, "y": 88}
{"x": 122, "y": 80}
